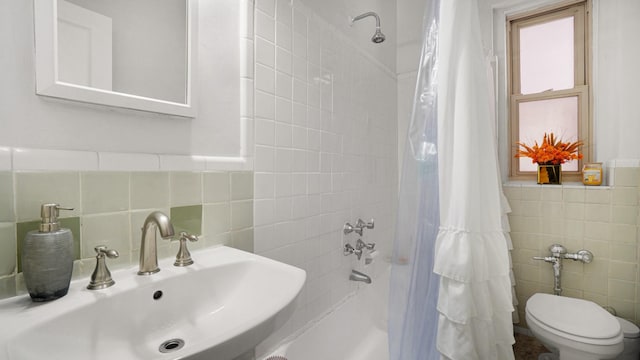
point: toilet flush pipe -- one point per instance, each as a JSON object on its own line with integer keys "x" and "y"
{"x": 558, "y": 253}
{"x": 557, "y": 267}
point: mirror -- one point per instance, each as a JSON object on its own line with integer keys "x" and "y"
{"x": 135, "y": 54}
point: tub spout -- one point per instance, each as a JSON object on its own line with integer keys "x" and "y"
{"x": 358, "y": 276}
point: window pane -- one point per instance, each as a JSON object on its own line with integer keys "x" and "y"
{"x": 546, "y": 56}
{"x": 559, "y": 116}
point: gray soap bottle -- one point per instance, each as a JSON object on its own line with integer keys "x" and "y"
{"x": 47, "y": 257}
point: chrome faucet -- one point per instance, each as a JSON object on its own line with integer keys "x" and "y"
{"x": 148, "y": 245}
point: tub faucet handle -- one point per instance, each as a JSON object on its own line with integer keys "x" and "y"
{"x": 363, "y": 245}
{"x": 349, "y": 249}
{"x": 365, "y": 225}
{"x": 183, "y": 258}
{"x": 348, "y": 228}
{"x": 101, "y": 277}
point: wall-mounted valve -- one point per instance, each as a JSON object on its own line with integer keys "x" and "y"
{"x": 559, "y": 252}
{"x": 585, "y": 256}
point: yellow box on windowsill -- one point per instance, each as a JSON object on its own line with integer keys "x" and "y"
{"x": 592, "y": 174}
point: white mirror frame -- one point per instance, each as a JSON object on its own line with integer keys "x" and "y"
{"x": 48, "y": 84}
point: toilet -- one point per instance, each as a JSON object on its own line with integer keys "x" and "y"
{"x": 631, "y": 340}
{"x": 576, "y": 329}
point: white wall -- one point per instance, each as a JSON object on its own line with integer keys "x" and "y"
{"x": 616, "y": 111}
{"x": 325, "y": 116}
{"x": 28, "y": 120}
{"x": 337, "y": 13}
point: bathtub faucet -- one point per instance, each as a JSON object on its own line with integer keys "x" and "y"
{"x": 358, "y": 276}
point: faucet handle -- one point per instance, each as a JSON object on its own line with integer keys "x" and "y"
{"x": 101, "y": 250}
{"x": 183, "y": 258}
{"x": 550, "y": 259}
{"x": 348, "y": 228}
{"x": 363, "y": 245}
{"x": 365, "y": 225}
{"x": 349, "y": 249}
{"x": 101, "y": 277}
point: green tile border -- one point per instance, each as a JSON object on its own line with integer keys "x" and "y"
{"x": 187, "y": 218}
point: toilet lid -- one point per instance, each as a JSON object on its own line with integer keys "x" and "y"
{"x": 629, "y": 329}
{"x": 573, "y": 316}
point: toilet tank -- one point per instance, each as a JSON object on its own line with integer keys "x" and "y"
{"x": 631, "y": 340}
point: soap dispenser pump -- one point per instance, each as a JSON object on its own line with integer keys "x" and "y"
{"x": 47, "y": 257}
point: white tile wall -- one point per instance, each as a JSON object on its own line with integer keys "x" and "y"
{"x": 325, "y": 156}
{"x": 131, "y": 162}
{"x": 38, "y": 159}
{"x": 5, "y": 158}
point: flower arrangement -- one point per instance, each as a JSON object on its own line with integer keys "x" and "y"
{"x": 552, "y": 151}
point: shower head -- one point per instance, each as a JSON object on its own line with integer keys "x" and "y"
{"x": 378, "y": 37}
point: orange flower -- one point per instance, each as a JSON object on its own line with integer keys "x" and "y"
{"x": 551, "y": 151}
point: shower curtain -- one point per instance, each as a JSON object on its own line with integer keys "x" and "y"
{"x": 450, "y": 285}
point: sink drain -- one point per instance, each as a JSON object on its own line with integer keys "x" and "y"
{"x": 171, "y": 345}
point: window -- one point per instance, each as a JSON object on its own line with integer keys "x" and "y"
{"x": 549, "y": 81}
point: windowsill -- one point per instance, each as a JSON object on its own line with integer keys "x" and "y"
{"x": 564, "y": 185}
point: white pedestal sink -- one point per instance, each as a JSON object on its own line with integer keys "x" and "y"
{"x": 218, "y": 308}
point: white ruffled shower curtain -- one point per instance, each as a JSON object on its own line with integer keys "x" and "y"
{"x": 451, "y": 288}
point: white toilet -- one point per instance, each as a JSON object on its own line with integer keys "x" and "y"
{"x": 578, "y": 329}
{"x": 631, "y": 340}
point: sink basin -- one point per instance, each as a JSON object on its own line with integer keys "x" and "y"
{"x": 218, "y": 308}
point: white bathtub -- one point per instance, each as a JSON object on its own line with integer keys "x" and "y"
{"x": 355, "y": 330}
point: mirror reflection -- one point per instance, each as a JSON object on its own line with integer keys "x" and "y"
{"x": 136, "y": 47}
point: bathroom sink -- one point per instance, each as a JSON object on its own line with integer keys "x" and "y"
{"x": 218, "y": 308}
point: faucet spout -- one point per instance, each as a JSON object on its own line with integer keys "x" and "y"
{"x": 358, "y": 276}
{"x": 148, "y": 243}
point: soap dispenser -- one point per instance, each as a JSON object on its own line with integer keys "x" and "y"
{"x": 47, "y": 257}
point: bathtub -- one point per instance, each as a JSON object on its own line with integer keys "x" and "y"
{"x": 355, "y": 330}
